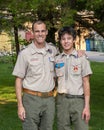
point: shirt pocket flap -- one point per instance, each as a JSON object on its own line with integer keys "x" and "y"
{"x": 59, "y": 67}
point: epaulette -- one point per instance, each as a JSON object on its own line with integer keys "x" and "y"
{"x": 50, "y": 43}
{"x": 86, "y": 56}
{"x": 57, "y": 54}
{"x": 23, "y": 48}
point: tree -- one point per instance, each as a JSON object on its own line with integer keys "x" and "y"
{"x": 56, "y": 13}
{"x": 13, "y": 16}
{"x": 15, "y": 13}
{"x": 97, "y": 6}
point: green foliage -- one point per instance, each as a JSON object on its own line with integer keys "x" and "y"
{"x": 56, "y": 13}
{"x": 68, "y": 17}
{"x": 81, "y": 5}
{"x": 100, "y": 26}
{"x": 97, "y": 6}
{"x": 5, "y": 59}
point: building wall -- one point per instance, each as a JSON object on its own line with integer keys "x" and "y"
{"x": 5, "y": 43}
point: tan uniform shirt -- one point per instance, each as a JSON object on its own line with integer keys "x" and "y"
{"x": 78, "y": 67}
{"x": 36, "y": 67}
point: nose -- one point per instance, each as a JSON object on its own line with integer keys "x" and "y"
{"x": 40, "y": 32}
{"x": 66, "y": 40}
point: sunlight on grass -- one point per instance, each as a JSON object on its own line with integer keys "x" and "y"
{"x": 8, "y": 106}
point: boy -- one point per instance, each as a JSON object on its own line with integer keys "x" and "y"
{"x": 73, "y": 74}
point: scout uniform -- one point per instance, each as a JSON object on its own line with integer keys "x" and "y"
{"x": 36, "y": 68}
{"x": 70, "y": 100}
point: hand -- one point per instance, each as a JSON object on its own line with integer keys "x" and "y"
{"x": 86, "y": 115}
{"x": 81, "y": 53}
{"x": 21, "y": 113}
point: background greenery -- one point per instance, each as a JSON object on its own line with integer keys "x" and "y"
{"x": 57, "y": 13}
{"x": 8, "y": 106}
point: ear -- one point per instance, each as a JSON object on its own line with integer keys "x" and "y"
{"x": 46, "y": 32}
{"x": 74, "y": 40}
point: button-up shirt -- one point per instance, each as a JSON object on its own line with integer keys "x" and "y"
{"x": 36, "y": 67}
{"x": 77, "y": 68}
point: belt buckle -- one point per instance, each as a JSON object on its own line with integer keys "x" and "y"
{"x": 45, "y": 94}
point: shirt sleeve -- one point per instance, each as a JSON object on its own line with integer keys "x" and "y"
{"x": 86, "y": 69}
{"x": 20, "y": 66}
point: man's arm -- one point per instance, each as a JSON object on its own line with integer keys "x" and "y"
{"x": 18, "y": 88}
{"x": 86, "y": 110}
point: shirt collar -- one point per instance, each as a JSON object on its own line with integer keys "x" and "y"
{"x": 35, "y": 50}
{"x": 73, "y": 53}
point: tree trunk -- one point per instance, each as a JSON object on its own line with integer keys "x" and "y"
{"x": 16, "y": 39}
{"x": 51, "y": 35}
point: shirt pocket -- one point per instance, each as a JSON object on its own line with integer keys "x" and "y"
{"x": 51, "y": 64}
{"x": 59, "y": 68}
{"x": 76, "y": 69}
{"x": 36, "y": 68}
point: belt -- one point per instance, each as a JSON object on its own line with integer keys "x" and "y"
{"x": 36, "y": 93}
{"x": 71, "y": 96}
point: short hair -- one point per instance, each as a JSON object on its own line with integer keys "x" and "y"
{"x": 67, "y": 29}
{"x": 37, "y": 22}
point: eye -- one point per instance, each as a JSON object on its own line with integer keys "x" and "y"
{"x": 43, "y": 31}
{"x": 38, "y": 31}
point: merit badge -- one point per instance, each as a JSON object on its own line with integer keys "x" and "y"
{"x": 75, "y": 68}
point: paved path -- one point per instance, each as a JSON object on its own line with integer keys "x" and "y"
{"x": 95, "y": 56}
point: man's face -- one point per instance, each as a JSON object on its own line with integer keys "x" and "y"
{"x": 67, "y": 42}
{"x": 40, "y": 33}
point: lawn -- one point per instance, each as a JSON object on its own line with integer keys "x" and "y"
{"x": 8, "y": 107}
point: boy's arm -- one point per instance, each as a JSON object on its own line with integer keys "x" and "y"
{"x": 86, "y": 110}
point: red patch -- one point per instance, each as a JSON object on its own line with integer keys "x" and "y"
{"x": 75, "y": 68}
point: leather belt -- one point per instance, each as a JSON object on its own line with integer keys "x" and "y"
{"x": 71, "y": 96}
{"x": 40, "y": 94}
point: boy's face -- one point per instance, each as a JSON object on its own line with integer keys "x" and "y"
{"x": 67, "y": 42}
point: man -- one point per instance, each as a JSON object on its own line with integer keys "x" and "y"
{"x": 73, "y": 74}
{"x": 34, "y": 71}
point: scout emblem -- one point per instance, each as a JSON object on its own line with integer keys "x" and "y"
{"x": 75, "y": 68}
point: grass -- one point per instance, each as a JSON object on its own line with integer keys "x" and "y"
{"x": 8, "y": 107}
{"x": 97, "y": 97}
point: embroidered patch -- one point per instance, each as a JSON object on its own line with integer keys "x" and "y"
{"x": 59, "y": 65}
{"x": 75, "y": 68}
